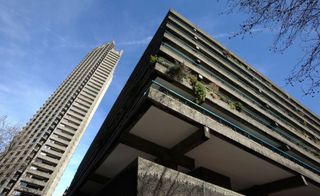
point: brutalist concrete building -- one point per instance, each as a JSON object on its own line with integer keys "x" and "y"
{"x": 194, "y": 119}
{"x": 37, "y": 157}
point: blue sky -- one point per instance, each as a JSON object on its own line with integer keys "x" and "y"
{"x": 42, "y": 41}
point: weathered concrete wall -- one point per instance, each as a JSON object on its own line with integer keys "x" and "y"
{"x": 179, "y": 107}
{"x": 154, "y": 179}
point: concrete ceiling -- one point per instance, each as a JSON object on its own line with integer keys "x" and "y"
{"x": 120, "y": 157}
{"x": 162, "y": 128}
{"x": 244, "y": 169}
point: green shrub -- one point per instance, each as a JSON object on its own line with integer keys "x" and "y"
{"x": 236, "y": 106}
{"x": 200, "y": 92}
{"x": 178, "y": 71}
{"x": 173, "y": 70}
{"x": 225, "y": 99}
{"x": 193, "y": 79}
{"x": 153, "y": 59}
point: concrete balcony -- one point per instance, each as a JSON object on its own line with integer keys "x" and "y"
{"x": 72, "y": 118}
{"x": 79, "y": 111}
{"x": 55, "y": 137}
{"x": 267, "y": 84}
{"x": 102, "y": 76}
{"x": 280, "y": 134}
{"x": 234, "y": 127}
{"x": 252, "y": 91}
{"x": 67, "y": 125}
{"x": 95, "y": 83}
{"x": 143, "y": 177}
{"x": 60, "y": 133}
{"x": 190, "y": 141}
{"x": 98, "y": 78}
{"x": 52, "y": 152}
{"x": 39, "y": 173}
{"x": 40, "y": 183}
{"x": 80, "y": 106}
{"x": 103, "y": 69}
{"x": 75, "y": 114}
{"x": 84, "y": 103}
{"x": 43, "y": 166}
{"x": 56, "y": 146}
{"x": 28, "y": 191}
{"x": 242, "y": 98}
{"x": 49, "y": 159}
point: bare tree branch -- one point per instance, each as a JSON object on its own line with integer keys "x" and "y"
{"x": 292, "y": 20}
{"x": 7, "y": 133}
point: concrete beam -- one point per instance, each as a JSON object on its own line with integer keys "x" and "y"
{"x": 154, "y": 149}
{"x": 98, "y": 178}
{"x": 191, "y": 141}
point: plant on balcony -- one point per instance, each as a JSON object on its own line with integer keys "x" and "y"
{"x": 153, "y": 59}
{"x": 199, "y": 89}
{"x": 200, "y": 92}
{"x": 178, "y": 70}
{"x": 193, "y": 79}
{"x": 236, "y": 106}
{"x": 224, "y": 99}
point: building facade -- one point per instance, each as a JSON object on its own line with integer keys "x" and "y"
{"x": 37, "y": 157}
{"x": 195, "y": 119}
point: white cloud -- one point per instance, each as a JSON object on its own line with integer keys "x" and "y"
{"x": 137, "y": 42}
{"x": 230, "y": 34}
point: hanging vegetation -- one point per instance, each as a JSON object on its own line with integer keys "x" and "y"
{"x": 199, "y": 89}
{"x": 236, "y": 106}
{"x": 200, "y": 92}
{"x": 178, "y": 71}
{"x": 153, "y": 59}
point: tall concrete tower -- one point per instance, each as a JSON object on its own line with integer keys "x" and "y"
{"x": 37, "y": 157}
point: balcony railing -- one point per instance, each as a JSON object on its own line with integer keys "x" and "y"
{"x": 233, "y": 126}
{"x": 227, "y": 83}
{"x": 292, "y": 104}
{"x": 282, "y": 132}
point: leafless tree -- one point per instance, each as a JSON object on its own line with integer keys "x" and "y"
{"x": 7, "y": 133}
{"x": 291, "y": 20}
